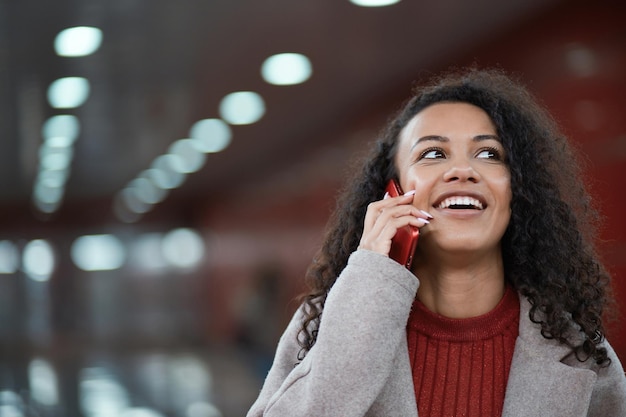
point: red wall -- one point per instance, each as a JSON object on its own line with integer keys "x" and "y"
{"x": 574, "y": 59}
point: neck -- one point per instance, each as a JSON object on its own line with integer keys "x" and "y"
{"x": 461, "y": 289}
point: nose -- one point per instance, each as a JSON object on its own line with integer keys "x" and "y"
{"x": 461, "y": 173}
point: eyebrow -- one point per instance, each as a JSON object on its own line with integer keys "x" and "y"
{"x": 437, "y": 138}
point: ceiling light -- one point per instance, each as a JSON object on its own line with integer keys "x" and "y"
{"x": 55, "y": 178}
{"x": 47, "y": 193}
{"x": 61, "y": 126}
{"x": 46, "y": 208}
{"x": 56, "y": 161}
{"x": 211, "y": 135}
{"x": 189, "y": 157}
{"x": 141, "y": 189}
{"x": 374, "y": 3}
{"x": 146, "y": 190}
{"x": 101, "y": 393}
{"x": 242, "y": 108}
{"x": 286, "y": 69}
{"x": 78, "y": 41}
{"x": 98, "y": 253}
{"x": 183, "y": 248}
{"x": 55, "y": 158}
{"x": 146, "y": 253}
{"x": 163, "y": 173}
{"x": 38, "y": 260}
{"x": 69, "y": 92}
{"x": 43, "y": 382}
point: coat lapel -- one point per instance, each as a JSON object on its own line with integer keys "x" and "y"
{"x": 540, "y": 384}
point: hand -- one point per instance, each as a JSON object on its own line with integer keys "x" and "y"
{"x": 383, "y": 218}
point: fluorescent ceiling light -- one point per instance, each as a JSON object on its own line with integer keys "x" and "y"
{"x": 98, "y": 253}
{"x": 183, "y": 248}
{"x": 146, "y": 190}
{"x": 211, "y": 135}
{"x": 43, "y": 382}
{"x": 61, "y": 126}
{"x": 242, "y": 108}
{"x": 52, "y": 178}
{"x": 374, "y": 3}
{"x": 38, "y": 260}
{"x": 48, "y": 193}
{"x": 101, "y": 394}
{"x": 146, "y": 253}
{"x": 163, "y": 173}
{"x": 286, "y": 69}
{"x": 55, "y": 159}
{"x": 78, "y": 41}
{"x": 69, "y": 92}
{"x": 189, "y": 157}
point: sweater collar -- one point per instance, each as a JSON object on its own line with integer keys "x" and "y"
{"x": 504, "y": 316}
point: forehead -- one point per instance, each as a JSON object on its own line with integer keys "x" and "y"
{"x": 449, "y": 119}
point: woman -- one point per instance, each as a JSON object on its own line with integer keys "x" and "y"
{"x": 501, "y": 312}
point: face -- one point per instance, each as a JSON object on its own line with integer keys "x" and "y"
{"x": 451, "y": 155}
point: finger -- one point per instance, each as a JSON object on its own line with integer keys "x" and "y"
{"x": 397, "y": 216}
{"x": 379, "y": 238}
{"x": 375, "y": 208}
{"x": 402, "y": 210}
{"x": 427, "y": 214}
{"x": 408, "y": 220}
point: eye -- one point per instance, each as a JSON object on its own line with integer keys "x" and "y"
{"x": 432, "y": 153}
{"x": 490, "y": 153}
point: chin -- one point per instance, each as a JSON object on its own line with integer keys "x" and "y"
{"x": 460, "y": 244}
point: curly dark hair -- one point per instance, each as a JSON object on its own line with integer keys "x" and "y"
{"x": 547, "y": 249}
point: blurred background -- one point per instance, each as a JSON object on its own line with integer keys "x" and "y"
{"x": 167, "y": 168}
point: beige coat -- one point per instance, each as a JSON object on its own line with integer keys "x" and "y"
{"x": 359, "y": 365}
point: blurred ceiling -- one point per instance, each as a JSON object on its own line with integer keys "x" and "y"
{"x": 164, "y": 65}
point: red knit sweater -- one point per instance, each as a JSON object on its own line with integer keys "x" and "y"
{"x": 461, "y": 366}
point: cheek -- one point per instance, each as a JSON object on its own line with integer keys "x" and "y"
{"x": 499, "y": 182}
{"x": 505, "y": 196}
{"x": 423, "y": 186}
{"x": 505, "y": 191}
{"x": 420, "y": 177}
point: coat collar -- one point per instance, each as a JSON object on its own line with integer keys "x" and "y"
{"x": 540, "y": 382}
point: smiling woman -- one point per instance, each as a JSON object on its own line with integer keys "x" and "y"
{"x": 500, "y": 313}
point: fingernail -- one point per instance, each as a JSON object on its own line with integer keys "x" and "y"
{"x": 386, "y": 196}
{"x": 427, "y": 214}
{"x": 409, "y": 193}
{"x": 423, "y": 220}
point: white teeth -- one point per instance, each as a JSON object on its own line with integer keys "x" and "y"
{"x": 461, "y": 201}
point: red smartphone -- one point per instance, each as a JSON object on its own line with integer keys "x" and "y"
{"x": 404, "y": 242}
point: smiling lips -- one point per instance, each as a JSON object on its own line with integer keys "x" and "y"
{"x": 461, "y": 202}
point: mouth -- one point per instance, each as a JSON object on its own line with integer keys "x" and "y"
{"x": 461, "y": 203}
